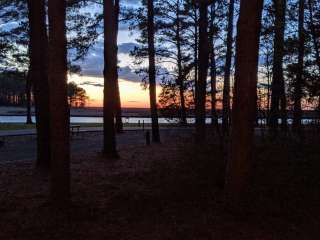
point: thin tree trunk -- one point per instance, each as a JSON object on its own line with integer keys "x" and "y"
{"x": 196, "y": 48}
{"x": 314, "y": 39}
{"x": 38, "y": 71}
{"x": 28, "y": 96}
{"x": 119, "y": 123}
{"x": 213, "y": 71}
{"x": 180, "y": 74}
{"x": 152, "y": 74}
{"x": 297, "y": 112}
{"x": 277, "y": 85}
{"x": 314, "y": 34}
{"x": 59, "y": 125}
{"x": 110, "y": 76}
{"x": 203, "y": 73}
{"x": 227, "y": 71}
{"x": 247, "y": 51}
{"x": 269, "y": 88}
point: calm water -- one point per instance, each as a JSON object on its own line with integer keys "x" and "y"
{"x": 22, "y": 119}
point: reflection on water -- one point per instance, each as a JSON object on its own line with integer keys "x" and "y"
{"x": 22, "y": 119}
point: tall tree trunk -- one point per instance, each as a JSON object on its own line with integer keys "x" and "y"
{"x": 203, "y": 73}
{"x": 196, "y": 48}
{"x": 297, "y": 112}
{"x": 180, "y": 73}
{"x": 59, "y": 125}
{"x": 314, "y": 34}
{"x": 38, "y": 72}
{"x": 28, "y": 96}
{"x": 110, "y": 76}
{"x": 277, "y": 85}
{"x": 227, "y": 71}
{"x": 213, "y": 71}
{"x": 152, "y": 74}
{"x": 119, "y": 123}
{"x": 315, "y": 42}
{"x": 247, "y": 51}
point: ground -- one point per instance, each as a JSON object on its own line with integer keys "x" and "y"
{"x": 166, "y": 191}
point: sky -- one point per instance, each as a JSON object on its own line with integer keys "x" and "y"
{"x": 132, "y": 93}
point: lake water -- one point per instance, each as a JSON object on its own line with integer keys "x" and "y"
{"x": 22, "y": 119}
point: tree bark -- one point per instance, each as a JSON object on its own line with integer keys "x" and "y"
{"x": 28, "y": 96}
{"x": 38, "y": 72}
{"x": 183, "y": 114}
{"x": 203, "y": 73}
{"x": 314, "y": 34}
{"x": 247, "y": 51}
{"x": 119, "y": 123}
{"x": 227, "y": 72}
{"x": 196, "y": 48}
{"x": 152, "y": 74}
{"x": 213, "y": 71}
{"x": 297, "y": 111}
{"x": 59, "y": 124}
{"x": 110, "y": 76}
{"x": 278, "y": 98}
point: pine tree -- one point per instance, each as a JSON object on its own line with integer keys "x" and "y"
{"x": 38, "y": 74}
{"x": 227, "y": 71}
{"x": 59, "y": 124}
{"x": 244, "y": 108}
{"x": 278, "y": 98}
{"x": 110, "y": 79}
{"x": 152, "y": 73}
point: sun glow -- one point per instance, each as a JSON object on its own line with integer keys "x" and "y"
{"x": 132, "y": 94}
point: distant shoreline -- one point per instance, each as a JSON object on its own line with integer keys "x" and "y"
{"x": 126, "y": 112}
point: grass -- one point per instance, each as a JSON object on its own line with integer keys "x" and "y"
{"x": 15, "y": 126}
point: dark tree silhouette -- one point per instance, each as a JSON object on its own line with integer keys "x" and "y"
{"x": 119, "y": 123}
{"x": 38, "y": 74}
{"x": 152, "y": 73}
{"x": 297, "y": 111}
{"x": 247, "y": 49}
{"x": 59, "y": 124}
{"x": 213, "y": 70}
{"x": 314, "y": 34}
{"x": 110, "y": 76}
{"x": 227, "y": 70}
{"x": 278, "y": 98}
{"x": 29, "y": 98}
{"x": 203, "y": 72}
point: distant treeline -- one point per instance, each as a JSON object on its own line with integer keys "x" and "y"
{"x": 13, "y": 90}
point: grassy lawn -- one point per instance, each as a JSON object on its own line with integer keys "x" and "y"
{"x": 16, "y": 126}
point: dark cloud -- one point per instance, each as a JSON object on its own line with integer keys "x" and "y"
{"x": 93, "y": 65}
{"x": 133, "y": 2}
{"x": 127, "y": 73}
{"x": 91, "y": 83}
{"x": 127, "y": 47}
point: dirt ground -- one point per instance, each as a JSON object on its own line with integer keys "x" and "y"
{"x": 166, "y": 191}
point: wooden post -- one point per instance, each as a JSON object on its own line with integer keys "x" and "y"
{"x": 148, "y": 138}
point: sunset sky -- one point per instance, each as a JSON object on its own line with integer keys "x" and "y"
{"x": 91, "y": 79}
{"x": 132, "y": 94}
